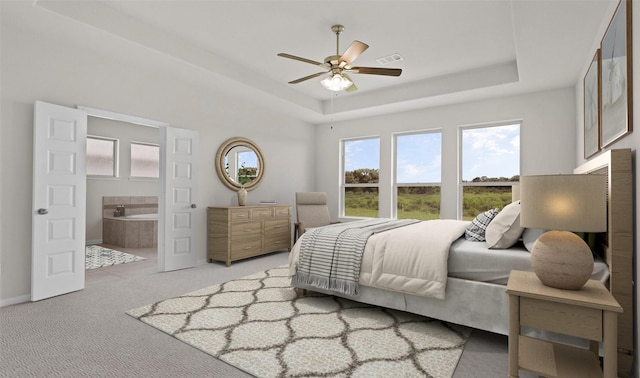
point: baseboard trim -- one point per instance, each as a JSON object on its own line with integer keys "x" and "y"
{"x": 92, "y": 242}
{"x": 14, "y": 300}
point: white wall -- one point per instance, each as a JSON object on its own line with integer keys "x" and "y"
{"x": 45, "y": 66}
{"x": 547, "y": 140}
{"x": 122, "y": 185}
{"x": 631, "y": 141}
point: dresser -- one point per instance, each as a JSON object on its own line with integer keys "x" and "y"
{"x": 239, "y": 232}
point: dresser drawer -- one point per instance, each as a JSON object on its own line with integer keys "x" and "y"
{"x": 261, "y": 213}
{"x": 240, "y": 231}
{"x": 276, "y": 243}
{"x": 239, "y": 215}
{"x": 242, "y": 249}
{"x": 281, "y": 212}
{"x": 276, "y": 227}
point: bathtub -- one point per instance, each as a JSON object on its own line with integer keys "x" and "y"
{"x": 142, "y": 216}
{"x": 131, "y": 231}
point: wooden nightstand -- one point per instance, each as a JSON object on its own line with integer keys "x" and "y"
{"x": 589, "y": 313}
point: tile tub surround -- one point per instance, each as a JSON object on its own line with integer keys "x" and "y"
{"x": 133, "y": 205}
{"x": 130, "y": 232}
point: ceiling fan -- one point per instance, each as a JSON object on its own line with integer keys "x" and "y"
{"x": 337, "y": 66}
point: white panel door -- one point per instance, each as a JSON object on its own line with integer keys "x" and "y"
{"x": 59, "y": 195}
{"x": 176, "y": 228}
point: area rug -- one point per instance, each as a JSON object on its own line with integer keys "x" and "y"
{"x": 260, "y": 325}
{"x": 99, "y": 257}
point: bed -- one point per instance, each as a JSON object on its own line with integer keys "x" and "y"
{"x": 475, "y": 295}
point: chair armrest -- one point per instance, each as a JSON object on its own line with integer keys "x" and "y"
{"x": 298, "y": 230}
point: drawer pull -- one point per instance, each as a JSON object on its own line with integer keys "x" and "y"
{"x": 248, "y": 230}
{"x": 247, "y": 248}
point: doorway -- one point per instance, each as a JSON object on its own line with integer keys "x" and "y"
{"x": 59, "y": 198}
{"x": 123, "y": 184}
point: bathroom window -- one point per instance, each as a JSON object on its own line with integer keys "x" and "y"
{"x": 145, "y": 160}
{"x": 102, "y": 156}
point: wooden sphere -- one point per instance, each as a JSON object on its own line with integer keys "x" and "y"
{"x": 561, "y": 259}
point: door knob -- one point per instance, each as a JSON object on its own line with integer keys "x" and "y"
{"x": 43, "y": 211}
{"x": 193, "y": 205}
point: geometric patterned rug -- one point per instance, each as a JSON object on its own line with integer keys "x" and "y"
{"x": 98, "y": 257}
{"x": 260, "y": 325}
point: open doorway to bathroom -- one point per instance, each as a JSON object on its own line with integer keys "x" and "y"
{"x": 122, "y": 198}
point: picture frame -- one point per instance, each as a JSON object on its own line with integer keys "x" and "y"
{"x": 592, "y": 107}
{"x": 616, "y": 77}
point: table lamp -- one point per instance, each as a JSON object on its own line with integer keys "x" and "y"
{"x": 563, "y": 203}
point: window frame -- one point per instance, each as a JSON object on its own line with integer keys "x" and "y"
{"x": 116, "y": 159}
{"x": 461, "y": 184}
{"x": 344, "y": 185}
{"x": 394, "y": 166}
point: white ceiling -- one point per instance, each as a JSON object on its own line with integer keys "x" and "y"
{"x": 453, "y": 50}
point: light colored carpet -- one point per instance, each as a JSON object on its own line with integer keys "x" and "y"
{"x": 98, "y": 257}
{"x": 258, "y": 324}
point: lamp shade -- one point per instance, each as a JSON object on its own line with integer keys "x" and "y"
{"x": 564, "y": 202}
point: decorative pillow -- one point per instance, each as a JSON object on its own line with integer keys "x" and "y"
{"x": 476, "y": 230}
{"x": 505, "y": 230}
{"x": 530, "y": 235}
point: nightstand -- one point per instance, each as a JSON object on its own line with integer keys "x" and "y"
{"x": 590, "y": 313}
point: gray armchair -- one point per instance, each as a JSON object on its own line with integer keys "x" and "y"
{"x": 312, "y": 211}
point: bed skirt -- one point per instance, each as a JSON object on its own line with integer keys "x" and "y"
{"x": 470, "y": 303}
{"x": 474, "y": 304}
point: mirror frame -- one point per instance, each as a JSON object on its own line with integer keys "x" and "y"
{"x": 222, "y": 152}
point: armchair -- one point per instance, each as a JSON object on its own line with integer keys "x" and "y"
{"x": 311, "y": 210}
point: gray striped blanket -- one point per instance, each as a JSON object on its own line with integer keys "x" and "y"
{"x": 330, "y": 256}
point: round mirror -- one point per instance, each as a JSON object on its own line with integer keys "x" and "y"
{"x": 239, "y": 162}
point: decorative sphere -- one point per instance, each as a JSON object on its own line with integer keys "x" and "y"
{"x": 561, "y": 259}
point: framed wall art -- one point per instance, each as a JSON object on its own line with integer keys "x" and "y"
{"x": 616, "y": 84}
{"x": 592, "y": 107}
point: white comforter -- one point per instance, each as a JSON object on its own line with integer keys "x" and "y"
{"x": 410, "y": 259}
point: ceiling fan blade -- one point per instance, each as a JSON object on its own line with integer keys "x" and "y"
{"x": 353, "y": 51}
{"x": 376, "y": 71}
{"x": 306, "y": 78}
{"x": 352, "y": 87}
{"x": 305, "y": 60}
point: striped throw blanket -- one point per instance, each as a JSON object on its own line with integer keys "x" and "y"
{"x": 330, "y": 256}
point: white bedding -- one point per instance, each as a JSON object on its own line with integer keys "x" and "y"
{"x": 475, "y": 261}
{"x": 396, "y": 260}
{"x": 410, "y": 259}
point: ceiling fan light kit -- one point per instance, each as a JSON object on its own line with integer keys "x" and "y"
{"x": 336, "y": 83}
{"x": 337, "y": 66}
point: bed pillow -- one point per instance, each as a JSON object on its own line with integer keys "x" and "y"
{"x": 476, "y": 230}
{"x": 530, "y": 235}
{"x": 505, "y": 230}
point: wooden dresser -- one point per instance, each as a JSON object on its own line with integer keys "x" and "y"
{"x": 239, "y": 232}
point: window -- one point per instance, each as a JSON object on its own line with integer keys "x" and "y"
{"x": 145, "y": 160}
{"x": 247, "y": 163}
{"x": 361, "y": 168}
{"x": 418, "y": 175}
{"x": 241, "y": 164}
{"x": 490, "y": 165}
{"x": 102, "y": 157}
